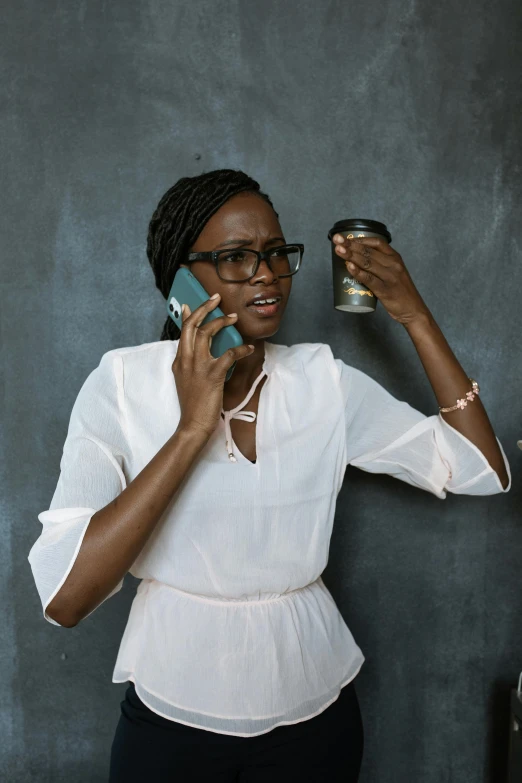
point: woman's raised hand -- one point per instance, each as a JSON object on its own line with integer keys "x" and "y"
{"x": 377, "y": 265}
{"x": 200, "y": 378}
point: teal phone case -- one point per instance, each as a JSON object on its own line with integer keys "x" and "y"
{"x": 186, "y": 289}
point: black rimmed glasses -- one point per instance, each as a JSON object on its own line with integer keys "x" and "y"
{"x": 236, "y": 266}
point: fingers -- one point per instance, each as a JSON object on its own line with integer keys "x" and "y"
{"x": 368, "y": 263}
{"x": 203, "y": 338}
{"x": 230, "y": 356}
{"x": 190, "y": 322}
{"x": 368, "y": 253}
{"x": 196, "y": 340}
{"x": 375, "y": 242}
{"x": 364, "y": 265}
{"x": 209, "y": 329}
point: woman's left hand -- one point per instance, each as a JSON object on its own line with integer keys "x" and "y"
{"x": 374, "y": 263}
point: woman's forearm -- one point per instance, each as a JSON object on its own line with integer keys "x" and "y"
{"x": 450, "y": 382}
{"x": 117, "y": 533}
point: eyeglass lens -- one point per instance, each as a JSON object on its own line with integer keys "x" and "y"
{"x": 240, "y": 264}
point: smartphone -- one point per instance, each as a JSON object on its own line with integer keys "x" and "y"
{"x": 186, "y": 289}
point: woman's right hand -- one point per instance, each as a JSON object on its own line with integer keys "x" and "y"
{"x": 200, "y": 378}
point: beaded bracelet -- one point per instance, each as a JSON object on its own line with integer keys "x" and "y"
{"x": 462, "y": 403}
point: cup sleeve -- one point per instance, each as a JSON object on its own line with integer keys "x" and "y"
{"x": 92, "y": 474}
{"x": 387, "y": 435}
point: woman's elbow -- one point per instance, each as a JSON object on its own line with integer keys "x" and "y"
{"x": 61, "y": 615}
{"x": 504, "y": 479}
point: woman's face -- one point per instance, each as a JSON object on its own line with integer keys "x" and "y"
{"x": 247, "y": 221}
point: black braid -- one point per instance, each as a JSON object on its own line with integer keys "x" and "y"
{"x": 180, "y": 217}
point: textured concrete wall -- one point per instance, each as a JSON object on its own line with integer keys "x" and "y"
{"x": 400, "y": 111}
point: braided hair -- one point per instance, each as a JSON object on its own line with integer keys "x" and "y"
{"x": 180, "y": 217}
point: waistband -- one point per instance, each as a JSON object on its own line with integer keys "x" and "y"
{"x": 230, "y": 601}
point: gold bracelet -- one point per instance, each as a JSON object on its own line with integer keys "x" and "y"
{"x": 462, "y": 403}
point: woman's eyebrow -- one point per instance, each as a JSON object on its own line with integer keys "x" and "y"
{"x": 247, "y": 242}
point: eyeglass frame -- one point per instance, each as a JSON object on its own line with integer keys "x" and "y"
{"x": 213, "y": 255}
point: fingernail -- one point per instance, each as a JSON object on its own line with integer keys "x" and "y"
{"x": 342, "y": 249}
{"x": 231, "y": 315}
{"x": 214, "y": 296}
{"x": 183, "y": 309}
{"x": 338, "y": 238}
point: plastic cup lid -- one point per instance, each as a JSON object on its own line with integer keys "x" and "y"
{"x": 360, "y": 224}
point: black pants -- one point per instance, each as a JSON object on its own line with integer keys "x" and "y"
{"x": 327, "y": 748}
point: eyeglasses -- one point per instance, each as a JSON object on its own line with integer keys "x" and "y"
{"x": 236, "y": 266}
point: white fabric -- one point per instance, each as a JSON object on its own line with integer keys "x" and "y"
{"x": 237, "y": 413}
{"x": 232, "y": 628}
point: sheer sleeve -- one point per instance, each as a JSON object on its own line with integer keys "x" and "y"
{"x": 91, "y": 475}
{"x": 385, "y": 435}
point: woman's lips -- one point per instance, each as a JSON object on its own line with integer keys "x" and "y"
{"x": 264, "y": 310}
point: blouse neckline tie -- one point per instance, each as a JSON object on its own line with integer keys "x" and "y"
{"x": 236, "y": 413}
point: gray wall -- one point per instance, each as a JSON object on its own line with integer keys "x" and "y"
{"x": 399, "y": 111}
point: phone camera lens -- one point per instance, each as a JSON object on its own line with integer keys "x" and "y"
{"x": 176, "y": 314}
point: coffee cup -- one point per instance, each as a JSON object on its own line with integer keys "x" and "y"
{"x": 350, "y": 295}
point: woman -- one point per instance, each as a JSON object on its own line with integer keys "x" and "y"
{"x": 241, "y": 667}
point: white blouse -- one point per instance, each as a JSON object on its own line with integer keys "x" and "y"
{"x": 232, "y": 628}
